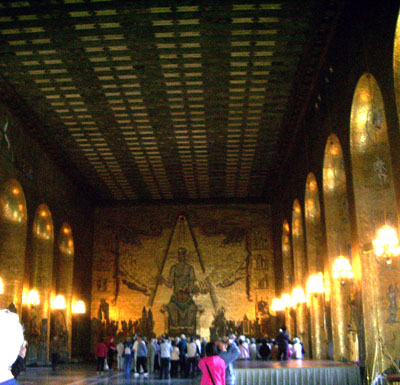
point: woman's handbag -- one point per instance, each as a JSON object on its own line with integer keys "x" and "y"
{"x": 209, "y": 373}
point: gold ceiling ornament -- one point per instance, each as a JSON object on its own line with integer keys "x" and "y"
{"x": 315, "y": 284}
{"x": 342, "y": 269}
{"x": 386, "y": 244}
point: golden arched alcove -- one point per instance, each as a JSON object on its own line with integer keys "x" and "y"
{"x": 315, "y": 265}
{"x": 338, "y": 242}
{"x": 300, "y": 272}
{"x": 375, "y": 205}
{"x": 13, "y": 227}
{"x": 396, "y": 64}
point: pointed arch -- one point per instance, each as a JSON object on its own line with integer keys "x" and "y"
{"x": 300, "y": 272}
{"x": 337, "y": 226}
{"x": 287, "y": 269}
{"x": 375, "y": 204}
{"x": 315, "y": 264}
{"x": 13, "y": 230}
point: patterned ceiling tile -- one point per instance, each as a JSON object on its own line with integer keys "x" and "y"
{"x": 158, "y": 100}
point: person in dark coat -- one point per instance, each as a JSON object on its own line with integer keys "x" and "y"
{"x": 283, "y": 343}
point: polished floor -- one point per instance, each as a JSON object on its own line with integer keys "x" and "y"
{"x": 86, "y": 375}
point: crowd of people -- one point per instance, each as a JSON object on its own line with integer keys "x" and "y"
{"x": 184, "y": 357}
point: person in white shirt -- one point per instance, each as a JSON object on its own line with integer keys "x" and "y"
{"x": 297, "y": 349}
{"x": 165, "y": 351}
{"x": 175, "y": 360}
{"x": 120, "y": 358}
{"x": 192, "y": 354}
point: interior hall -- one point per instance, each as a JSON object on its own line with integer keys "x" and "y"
{"x": 201, "y": 167}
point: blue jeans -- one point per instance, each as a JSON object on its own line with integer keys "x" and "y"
{"x": 127, "y": 365}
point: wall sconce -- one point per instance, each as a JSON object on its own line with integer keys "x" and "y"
{"x": 79, "y": 308}
{"x": 341, "y": 269}
{"x": 277, "y": 305}
{"x": 287, "y": 301}
{"x": 386, "y": 244}
{"x": 298, "y": 296}
{"x": 1, "y": 286}
{"x": 315, "y": 284}
{"x": 33, "y": 298}
{"x": 59, "y": 303}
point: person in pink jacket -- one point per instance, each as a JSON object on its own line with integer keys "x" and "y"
{"x": 213, "y": 364}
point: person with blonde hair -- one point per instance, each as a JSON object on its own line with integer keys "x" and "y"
{"x": 12, "y": 338}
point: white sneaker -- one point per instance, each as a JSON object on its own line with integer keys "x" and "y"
{"x": 136, "y": 375}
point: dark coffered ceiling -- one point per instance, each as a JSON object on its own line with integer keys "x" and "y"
{"x": 163, "y": 100}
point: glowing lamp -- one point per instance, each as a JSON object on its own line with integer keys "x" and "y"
{"x": 277, "y": 305}
{"x": 1, "y": 286}
{"x": 59, "y": 303}
{"x": 298, "y": 295}
{"x": 341, "y": 269}
{"x": 386, "y": 244}
{"x": 315, "y": 284}
{"x": 79, "y": 308}
{"x": 33, "y": 298}
{"x": 287, "y": 300}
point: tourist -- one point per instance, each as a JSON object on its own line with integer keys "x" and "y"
{"x": 182, "y": 345}
{"x": 212, "y": 366}
{"x": 128, "y": 358}
{"x": 244, "y": 349}
{"x": 111, "y": 349}
{"x": 253, "y": 349}
{"x": 264, "y": 350}
{"x": 229, "y": 353}
{"x": 19, "y": 365}
{"x": 174, "y": 360}
{"x": 203, "y": 347}
{"x": 141, "y": 357}
{"x": 54, "y": 353}
{"x": 283, "y": 343}
{"x": 192, "y": 354}
{"x": 165, "y": 353}
{"x": 120, "y": 358}
{"x": 297, "y": 349}
{"x": 151, "y": 353}
{"x": 12, "y": 338}
{"x": 101, "y": 354}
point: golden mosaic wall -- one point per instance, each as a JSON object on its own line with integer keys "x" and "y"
{"x": 228, "y": 249}
{"x": 375, "y": 206}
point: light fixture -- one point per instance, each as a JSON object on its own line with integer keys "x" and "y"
{"x": 277, "y": 305}
{"x": 59, "y": 303}
{"x": 298, "y": 296}
{"x": 1, "y": 286}
{"x": 33, "y": 298}
{"x": 286, "y": 301}
{"x": 79, "y": 307}
{"x": 341, "y": 269}
{"x": 386, "y": 244}
{"x": 315, "y": 284}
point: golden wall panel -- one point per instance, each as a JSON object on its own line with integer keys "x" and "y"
{"x": 375, "y": 206}
{"x": 229, "y": 264}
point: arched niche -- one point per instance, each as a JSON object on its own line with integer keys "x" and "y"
{"x": 41, "y": 281}
{"x": 13, "y": 229}
{"x": 315, "y": 265}
{"x": 61, "y": 325}
{"x": 300, "y": 273}
{"x": 337, "y": 226}
{"x": 396, "y": 64}
{"x": 376, "y": 206}
{"x": 287, "y": 269}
